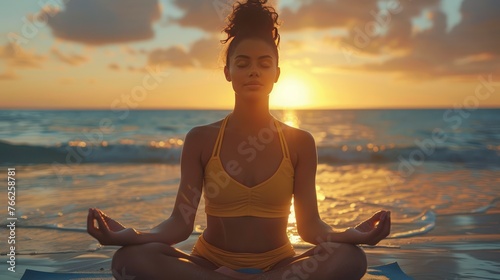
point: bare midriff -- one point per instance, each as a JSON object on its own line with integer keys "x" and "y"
{"x": 246, "y": 234}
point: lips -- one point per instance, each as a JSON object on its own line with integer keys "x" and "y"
{"x": 253, "y": 83}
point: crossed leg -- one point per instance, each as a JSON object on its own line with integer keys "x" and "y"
{"x": 325, "y": 261}
{"x": 158, "y": 261}
{"x": 153, "y": 261}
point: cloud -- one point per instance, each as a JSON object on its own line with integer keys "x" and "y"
{"x": 210, "y": 15}
{"x": 129, "y": 51}
{"x": 479, "y": 30}
{"x": 97, "y": 22}
{"x": 73, "y": 59}
{"x": 469, "y": 49}
{"x": 206, "y": 15}
{"x": 174, "y": 56}
{"x": 114, "y": 66}
{"x": 321, "y": 14}
{"x": 207, "y": 52}
{"x": 8, "y": 75}
{"x": 203, "y": 53}
{"x": 17, "y": 57}
{"x": 384, "y": 30}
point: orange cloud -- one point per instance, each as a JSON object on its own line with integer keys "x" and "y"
{"x": 73, "y": 59}
{"x": 206, "y": 51}
{"x": 114, "y": 66}
{"x": 384, "y": 29}
{"x": 9, "y": 75}
{"x": 320, "y": 14}
{"x": 17, "y": 57}
{"x": 173, "y": 56}
{"x": 205, "y": 15}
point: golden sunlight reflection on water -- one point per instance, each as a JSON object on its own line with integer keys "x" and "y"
{"x": 290, "y": 118}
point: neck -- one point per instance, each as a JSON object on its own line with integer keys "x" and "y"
{"x": 251, "y": 114}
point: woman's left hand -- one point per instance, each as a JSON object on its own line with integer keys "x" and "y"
{"x": 372, "y": 230}
{"x": 109, "y": 231}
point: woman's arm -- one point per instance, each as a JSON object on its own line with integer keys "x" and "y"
{"x": 309, "y": 224}
{"x": 180, "y": 224}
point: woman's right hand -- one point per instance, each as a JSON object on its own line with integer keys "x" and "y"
{"x": 372, "y": 230}
{"x": 108, "y": 231}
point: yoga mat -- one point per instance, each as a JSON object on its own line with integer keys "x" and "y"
{"x": 41, "y": 275}
{"x": 386, "y": 271}
{"x": 382, "y": 272}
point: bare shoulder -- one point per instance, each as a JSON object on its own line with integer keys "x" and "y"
{"x": 202, "y": 138}
{"x": 297, "y": 136}
{"x": 203, "y": 131}
{"x": 299, "y": 141}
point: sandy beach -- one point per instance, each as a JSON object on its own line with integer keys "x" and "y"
{"x": 444, "y": 208}
{"x": 473, "y": 252}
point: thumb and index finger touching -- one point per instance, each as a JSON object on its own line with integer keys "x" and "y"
{"x": 381, "y": 223}
{"x": 382, "y": 219}
{"x": 96, "y": 215}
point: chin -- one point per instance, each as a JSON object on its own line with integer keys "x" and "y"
{"x": 254, "y": 95}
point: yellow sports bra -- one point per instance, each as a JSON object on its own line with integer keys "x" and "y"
{"x": 226, "y": 197}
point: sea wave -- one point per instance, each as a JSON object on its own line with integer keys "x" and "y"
{"x": 169, "y": 152}
{"x": 416, "y": 226}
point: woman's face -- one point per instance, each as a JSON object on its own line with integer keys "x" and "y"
{"x": 252, "y": 69}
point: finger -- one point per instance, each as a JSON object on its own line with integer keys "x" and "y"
{"x": 108, "y": 220}
{"x": 377, "y": 217}
{"x": 385, "y": 227}
{"x": 379, "y": 231}
{"x": 103, "y": 227}
{"x": 90, "y": 221}
{"x": 382, "y": 214}
{"x": 91, "y": 229}
{"x": 103, "y": 214}
{"x": 100, "y": 212}
{"x": 105, "y": 217}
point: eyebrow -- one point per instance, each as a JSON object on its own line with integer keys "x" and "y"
{"x": 260, "y": 57}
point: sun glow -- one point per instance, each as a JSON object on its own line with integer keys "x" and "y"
{"x": 290, "y": 92}
{"x": 290, "y": 118}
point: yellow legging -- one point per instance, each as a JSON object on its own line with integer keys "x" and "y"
{"x": 263, "y": 261}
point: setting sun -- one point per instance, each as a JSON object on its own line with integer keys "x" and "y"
{"x": 290, "y": 92}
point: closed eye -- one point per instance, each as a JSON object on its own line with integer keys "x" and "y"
{"x": 265, "y": 64}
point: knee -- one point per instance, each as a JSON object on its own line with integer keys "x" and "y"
{"x": 354, "y": 260}
{"x": 361, "y": 257}
{"x": 133, "y": 259}
{"x": 128, "y": 256}
{"x": 345, "y": 261}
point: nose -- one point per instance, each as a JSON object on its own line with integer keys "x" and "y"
{"x": 254, "y": 72}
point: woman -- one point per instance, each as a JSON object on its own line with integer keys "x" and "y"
{"x": 249, "y": 166}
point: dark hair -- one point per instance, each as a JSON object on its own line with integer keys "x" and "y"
{"x": 252, "y": 19}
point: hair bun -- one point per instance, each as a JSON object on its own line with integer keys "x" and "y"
{"x": 252, "y": 18}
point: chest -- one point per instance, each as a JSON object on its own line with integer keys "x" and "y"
{"x": 253, "y": 159}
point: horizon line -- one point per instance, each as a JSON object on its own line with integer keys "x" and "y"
{"x": 229, "y": 109}
{"x": 271, "y": 109}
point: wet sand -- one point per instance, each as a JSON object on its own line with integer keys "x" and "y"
{"x": 471, "y": 252}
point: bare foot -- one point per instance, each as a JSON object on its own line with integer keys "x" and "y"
{"x": 235, "y": 274}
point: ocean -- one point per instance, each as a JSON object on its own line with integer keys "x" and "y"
{"x": 437, "y": 170}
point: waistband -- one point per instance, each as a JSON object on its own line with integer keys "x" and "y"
{"x": 263, "y": 261}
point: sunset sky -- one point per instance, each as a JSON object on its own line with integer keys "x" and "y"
{"x": 155, "y": 54}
